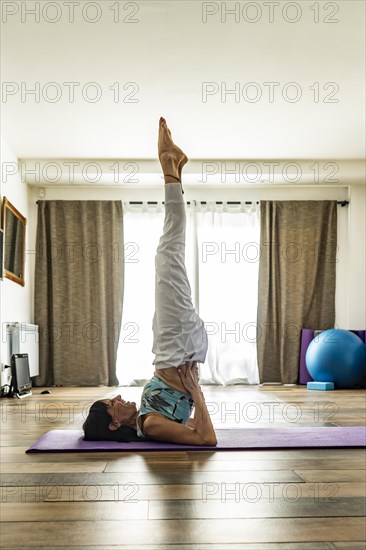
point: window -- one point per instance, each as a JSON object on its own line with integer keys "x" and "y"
{"x": 222, "y": 259}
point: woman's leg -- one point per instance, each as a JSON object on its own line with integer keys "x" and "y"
{"x": 179, "y": 333}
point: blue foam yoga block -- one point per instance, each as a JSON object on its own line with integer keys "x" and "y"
{"x": 320, "y": 386}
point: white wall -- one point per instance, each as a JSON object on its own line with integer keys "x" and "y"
{"x": 15, "y": 299}
{"x": 356, "y": 265}
{"x": 351, "y": 273}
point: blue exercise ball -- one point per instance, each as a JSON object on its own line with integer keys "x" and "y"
{"x": 338, "y": 356}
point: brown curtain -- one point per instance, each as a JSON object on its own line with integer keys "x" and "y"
{"x": 79, "y": 276}
{"x": 296, "y": 281}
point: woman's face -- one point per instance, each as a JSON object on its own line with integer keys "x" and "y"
{"x": 123, "y": 413}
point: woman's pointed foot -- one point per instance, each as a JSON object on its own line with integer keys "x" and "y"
{"x": 172, "y": 158}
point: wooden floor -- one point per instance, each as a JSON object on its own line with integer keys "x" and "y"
{"x": 295, "y": 499}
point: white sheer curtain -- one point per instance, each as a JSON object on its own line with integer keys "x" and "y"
{"x": 228, "y": 250}
{"x": 224, "y": 288}
{"x": 142, "y": 225}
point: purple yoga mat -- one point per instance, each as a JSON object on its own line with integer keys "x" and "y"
{"x": 71, "y": 441}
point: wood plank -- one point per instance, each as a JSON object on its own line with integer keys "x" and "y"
{"x": 240, "y": 546}
{"x": 332, "y": 475}
{"x": 279, "y": 454}
{"x": 74, "y": 511}
{"x": 127, "y": 492}
{"x": 351, "y": 545}
{"x": 54, "y": 467}
{"x": 251, "y": 504}
{"x": 17, "y": 454}
{"x": 121, "y": 465}
{"x": 247, "y": 507}
{"x": 37, "y": 534}
{"x": 153, "y": 478}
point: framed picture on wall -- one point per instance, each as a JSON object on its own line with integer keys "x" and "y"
{"x": 13, "y": 223}
{"x": 1, "y": 254}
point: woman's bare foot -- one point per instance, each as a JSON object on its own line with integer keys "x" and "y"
{"x": 172, "y": 158}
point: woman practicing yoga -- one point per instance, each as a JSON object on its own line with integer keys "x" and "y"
{"x": 180, "y": 339}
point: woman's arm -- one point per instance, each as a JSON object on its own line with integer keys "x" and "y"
{"x": 191, "y": 423}
{"x": 157, "y": 426}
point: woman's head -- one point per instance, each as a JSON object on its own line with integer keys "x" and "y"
{"x": 111, "y": 419}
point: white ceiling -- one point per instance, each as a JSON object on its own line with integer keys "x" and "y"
{"x": 169, "y": 52}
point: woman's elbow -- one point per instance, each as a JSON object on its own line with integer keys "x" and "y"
{"x": 210, "y": 441}
{"x": 151, "y": 428}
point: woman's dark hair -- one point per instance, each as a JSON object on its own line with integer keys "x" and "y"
{"x": 96, "y": 426}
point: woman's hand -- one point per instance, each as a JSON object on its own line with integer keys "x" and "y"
{"x": 199, "y": 430}
{"x": 189, "y": 376}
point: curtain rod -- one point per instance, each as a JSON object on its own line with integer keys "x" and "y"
{"x": 342, "y": 203}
